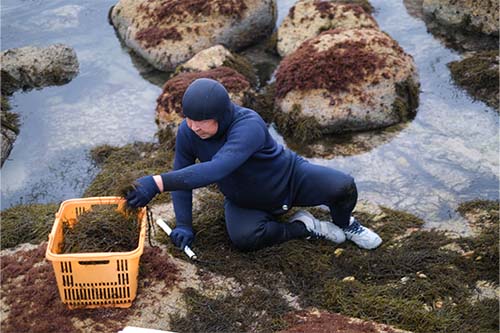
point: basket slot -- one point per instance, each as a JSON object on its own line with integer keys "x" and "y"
{"x": 94, "y": 262}
{"x": 67, "y": 280}
{"x": 79, "y": 210}
{"x": 121, "y": 265}
{"x": 66, "y": 267}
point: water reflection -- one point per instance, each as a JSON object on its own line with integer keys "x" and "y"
{"x": 108, "y": 102}
{"x": 448, "y": 154}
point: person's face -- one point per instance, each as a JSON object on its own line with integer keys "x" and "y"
{"x": 203, "y": 128}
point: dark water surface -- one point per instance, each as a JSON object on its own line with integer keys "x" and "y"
{"x": 448, "y": 154}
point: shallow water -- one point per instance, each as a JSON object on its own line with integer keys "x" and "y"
{"x": 446, "y": 155}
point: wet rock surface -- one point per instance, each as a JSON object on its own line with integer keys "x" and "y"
{"x": 348, "y": 80}
{"x": 308, "y": 18}
{"x": 36, "y": 67}
{"x": 167, "y": 33}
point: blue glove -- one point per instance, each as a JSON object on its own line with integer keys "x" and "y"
{"x": 144, "y": 191}
{"x": 182, "y": 236}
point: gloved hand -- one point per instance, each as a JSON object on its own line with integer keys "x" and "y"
{"x": 182, "y": 236}
{"x": 145, "y": 189}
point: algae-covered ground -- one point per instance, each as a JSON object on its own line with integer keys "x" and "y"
{"x": 417, "y": 280}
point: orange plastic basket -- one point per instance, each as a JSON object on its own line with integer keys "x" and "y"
{"x": 92, "y": 280}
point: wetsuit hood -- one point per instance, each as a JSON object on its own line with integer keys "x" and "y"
{"x": 208, "y": 99}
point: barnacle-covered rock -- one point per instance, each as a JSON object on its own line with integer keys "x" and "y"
{"x": 308, "y": 18}
{"x": 347, "y": 80}
{"x": 169, "y": 109}
{"x": 167, "y": 33}
{"x": 475, "y": 15}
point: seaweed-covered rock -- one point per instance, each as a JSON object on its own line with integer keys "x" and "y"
{"x": 167, "y": 33}
{"x": 35, "y": 67}
{"x": 478, "y": 74}
{"x": 169, "y": 108}
{"x": 348, "y": 80}
{"x": 10, "y": 128}
{"x": 475, "y": 15}
{"x": 308, "y": 18}
{"x": 217, "y": 56}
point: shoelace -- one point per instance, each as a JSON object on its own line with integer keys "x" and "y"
{"x": 354, "y": 228}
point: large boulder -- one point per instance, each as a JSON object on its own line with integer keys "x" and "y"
{"x": 167, "y": 33}
{"x": 36, "y": 67}
{"x": 308, "y": 18}
{"x": 346, "y": 80}
{"x": 476, "y": 15}
{"x": 169, "y": 104}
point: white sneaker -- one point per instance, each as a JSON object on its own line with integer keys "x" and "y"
{"x": 319, "y": 229}
{"x": 362, "y": 236}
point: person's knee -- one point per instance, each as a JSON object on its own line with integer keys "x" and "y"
{"x": 349, "y": 186}
{"x": 344, "y": 189}
{"x": 247, "y": 240}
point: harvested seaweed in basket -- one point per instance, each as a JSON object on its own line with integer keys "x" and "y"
{"x": 102, "y": 229}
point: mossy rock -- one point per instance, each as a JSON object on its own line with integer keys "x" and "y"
{"x": 30, "y": 223}
{"x": 478, "y": 75}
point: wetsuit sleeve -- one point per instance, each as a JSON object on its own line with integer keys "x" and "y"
{"x": 183, "y": 199}
{"x": 242, "y": 142}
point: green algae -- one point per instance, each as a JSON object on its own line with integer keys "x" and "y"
{"x": 263, "y": 103}
{"x": 121, "y": 166}
{"x": 478, "y": 75}
{"x": 26, "y": 224}
{"x": 253, "y": 310}
{"x": 406, "y": 103}
{"x": 297, "y": 127}
{"x": 102, "y": 229}
{"x": 242, "y": 66}
{"x": 411, "y": 281}
{"x": 9, "y": 119}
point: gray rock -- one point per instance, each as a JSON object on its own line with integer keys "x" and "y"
{"x": 167, "y": 34}
{"x": 476, "y": 15}
{"x": 35, "y": 67}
